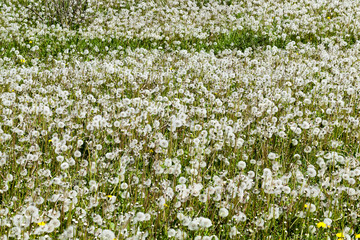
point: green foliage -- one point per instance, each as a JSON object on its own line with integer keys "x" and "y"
{"x": 235, "y": 40}
{"x": 66, "y": 13}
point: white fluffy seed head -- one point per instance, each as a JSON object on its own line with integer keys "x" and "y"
{"x": 77, "y": 154}
{"x": 205, "y": 222}
{"x": 223, "y": 212}
{"x": 272, "y": 156}
{"x": 107, "y": 235}
{"x": 163, "y": 143}
{"x": 241, "y": 165}
{"x": 64, "y": 166}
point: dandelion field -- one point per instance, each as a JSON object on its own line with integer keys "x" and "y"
{"x": 214, "y": 119}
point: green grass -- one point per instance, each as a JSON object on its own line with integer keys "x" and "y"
{"x": 235, "y": 40}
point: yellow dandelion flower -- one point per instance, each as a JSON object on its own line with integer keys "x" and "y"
{"x": 50, "y": 140}
{"x": 321, "y": 225}
{"x": 340, "y": 235}
{"x": 166, "y": 205}
{"x": 357, "y": 235}
{"x": 30, "y": 41}
{"x": 22, "y": 60}
{"x": 109, "y": 196}
{"x": 328, "y": 17}
{"x": 41, "y": 223}
{"x": 306, "y": 206}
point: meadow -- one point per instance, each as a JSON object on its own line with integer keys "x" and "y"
{"x": 179, "y": 119}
